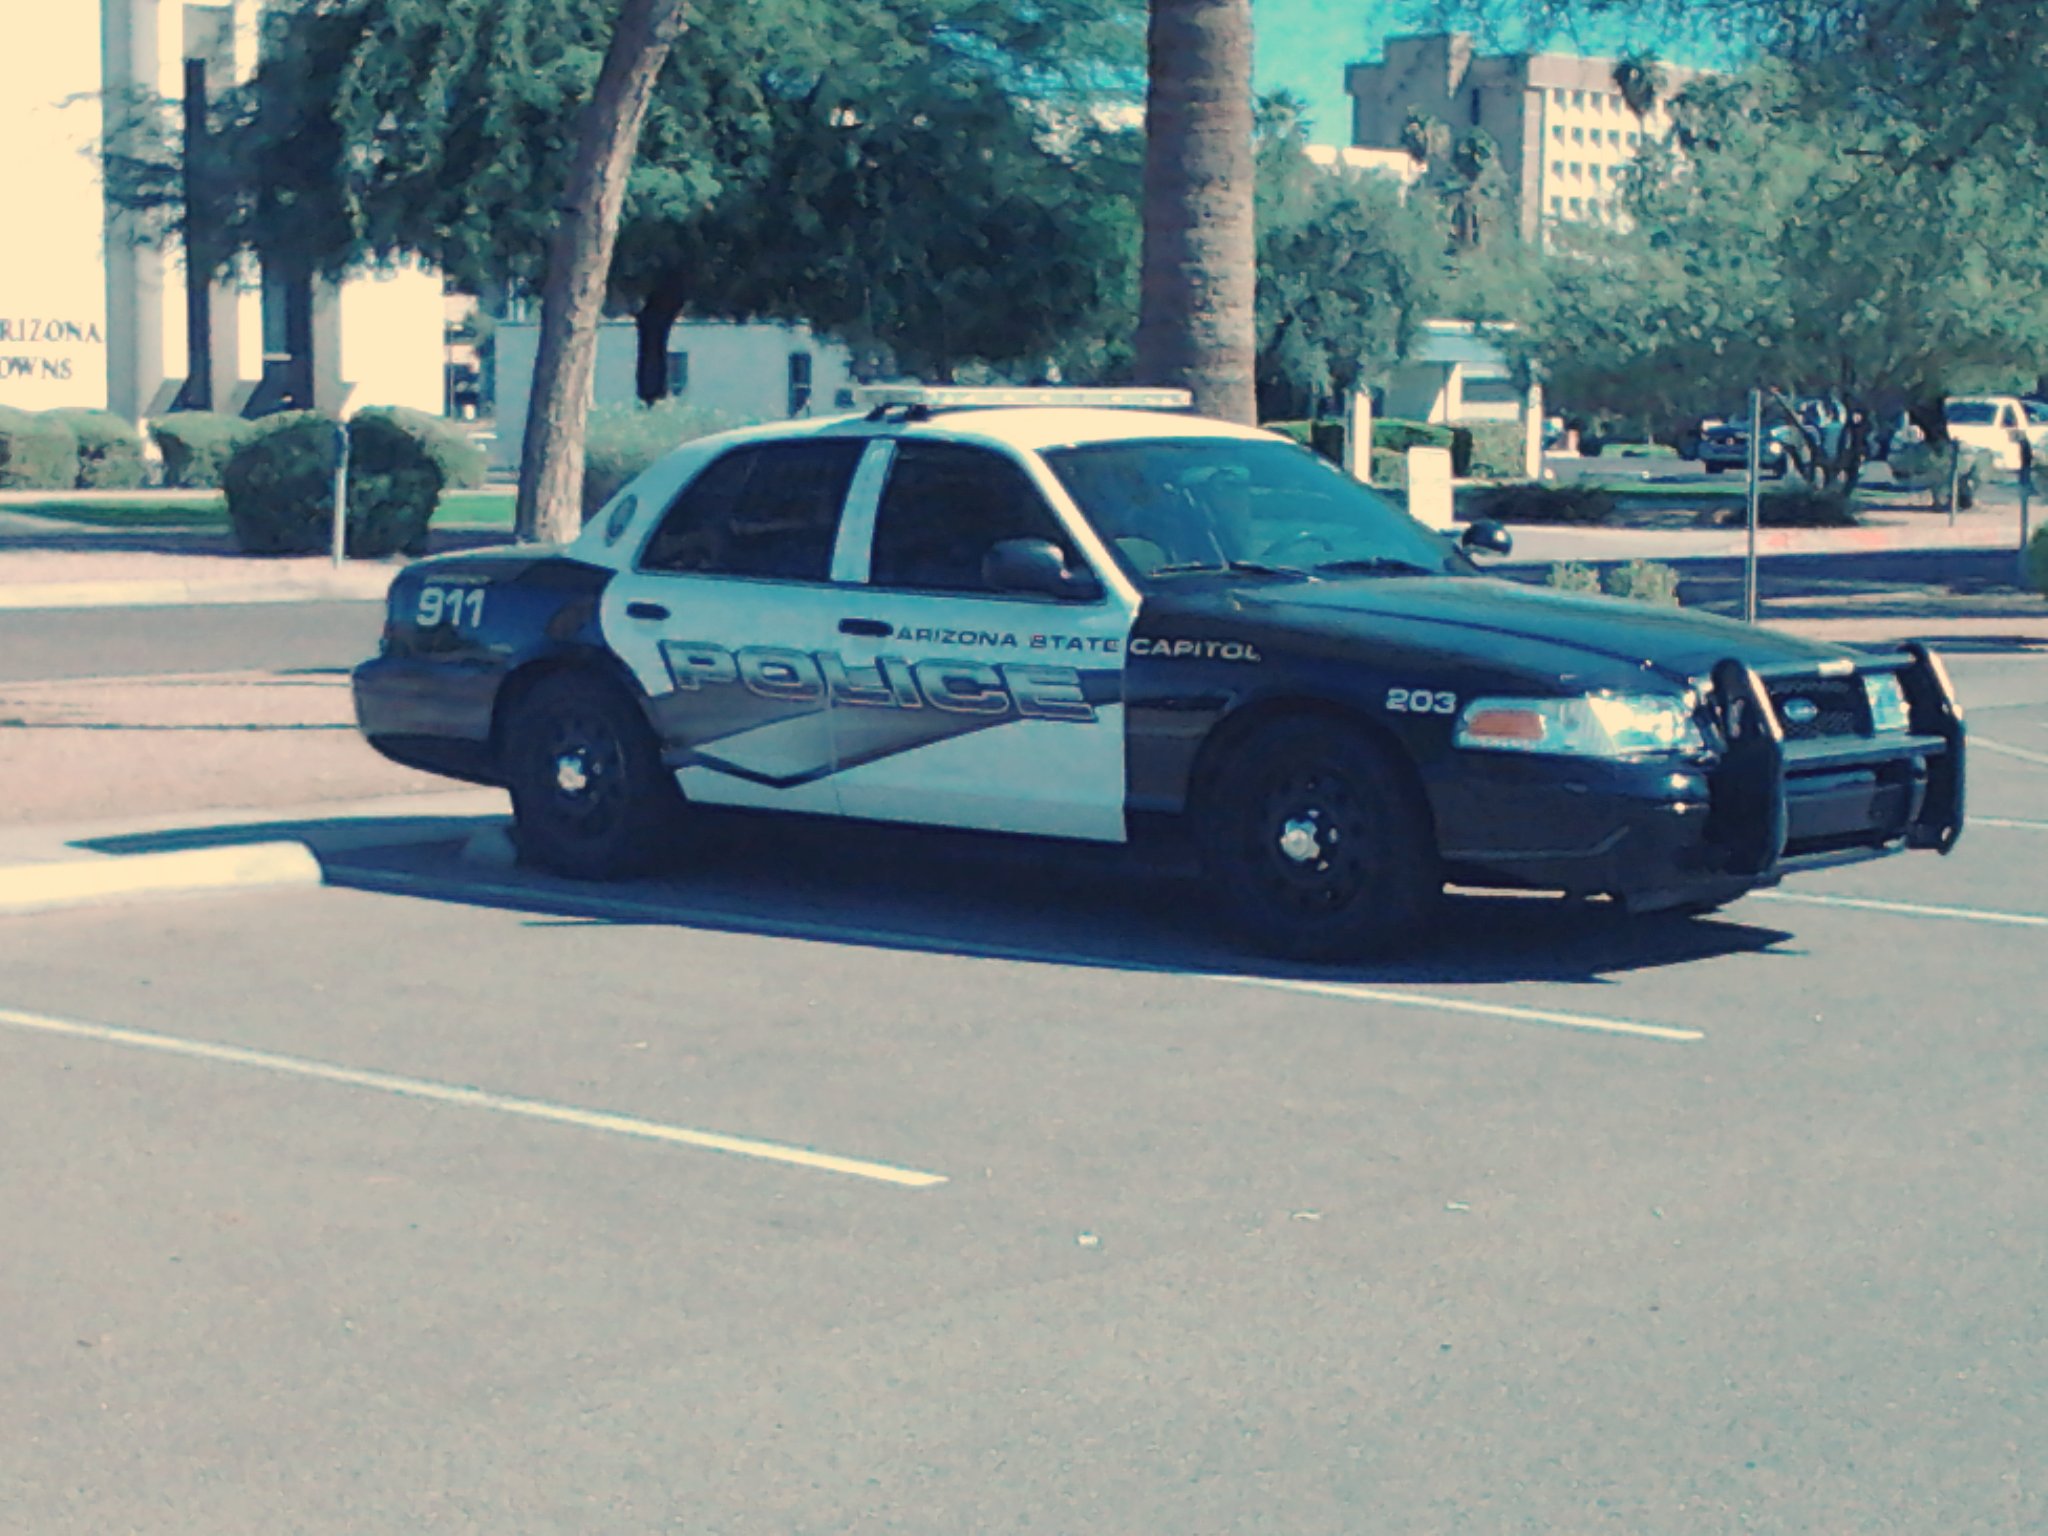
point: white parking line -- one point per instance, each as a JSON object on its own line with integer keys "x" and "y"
{"x": 473, "y": 1098}
{"x": 2001, "y": 821}
{"x": 2005, "y": 751}
{"x": 1907, "y": 909}
{"x": 1399, "y": 999}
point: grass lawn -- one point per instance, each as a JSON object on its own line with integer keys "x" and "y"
{"x": 209, "y": 514}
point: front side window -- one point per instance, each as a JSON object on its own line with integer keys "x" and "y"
{"x": 1176, "y": 506}
{"x": 766, "y": 510}
{"x": 945, "y": 507}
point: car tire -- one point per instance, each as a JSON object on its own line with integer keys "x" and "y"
{"x": 590, "y": 797}
{"x": 1315, "y": 844}
{"x": 1715, "y": 469}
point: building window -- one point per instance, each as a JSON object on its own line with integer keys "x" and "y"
{"x": 678, "y": 374}
{"x": 1631, "y": 141}
{"x": 1557, "y": 133}
{"x": 1557, "y": 95}
{"x": 1614, "y": 137}
{"x": 1593, "y": 171}
{"x": 1475, "y": 107}
{"x": 1557, "y": 167}
{"x": 1578, "y": 98}
{"x": 1576, "y": 205}
{"x": 1578, "y": 135}
{"x": 1577, "y": 168}
{"x": 1557, "y": 205}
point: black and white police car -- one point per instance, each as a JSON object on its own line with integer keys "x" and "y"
{"x": 1082, "y": 615}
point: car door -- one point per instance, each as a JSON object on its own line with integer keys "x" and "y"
{"x": 998, "y": 710}
{"x": 724, "y": 617}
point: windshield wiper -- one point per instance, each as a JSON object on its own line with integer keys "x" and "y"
{"x": 1235, "y": 567}
{"x": 1376, "y": 565}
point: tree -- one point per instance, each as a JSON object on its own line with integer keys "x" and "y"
{"x": 1640, "y": 80}
{"x": 1348, "y": 265}
{"x": 1196, "y": 314}
{"x": 1772, "y": 254}
{"x": 579, "y": 267}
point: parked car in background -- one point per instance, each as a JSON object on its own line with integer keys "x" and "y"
{"x": 1990, "y": 422}
{"x": 1725, "y": 446}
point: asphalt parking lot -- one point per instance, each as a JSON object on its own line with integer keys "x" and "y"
{"x": 910, "y": 1184}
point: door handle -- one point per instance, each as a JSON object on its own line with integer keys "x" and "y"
{"x": 646, "y": 611}
{"x": 873, "y": 627}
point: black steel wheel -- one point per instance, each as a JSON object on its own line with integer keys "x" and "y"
{"x": 1315, "y": 845}
{"x": 590, "y": 797}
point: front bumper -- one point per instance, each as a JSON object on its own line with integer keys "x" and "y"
{"x": 1657, "y": 834}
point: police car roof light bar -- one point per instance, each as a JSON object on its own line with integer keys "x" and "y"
{"x": 917, "y": 400}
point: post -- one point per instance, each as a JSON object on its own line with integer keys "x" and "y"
{"x": 2026, "y": 491}
{"x": 1532, "y": 432}
{"x": 340, "y": 492}
{"x": 1955, "y": 477}
{"x": 1430, "y": 501}
{"x": 1358, "y": 437}
{"x": 1756, "y": 480}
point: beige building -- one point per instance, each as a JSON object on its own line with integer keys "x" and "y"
{"x": 95, "y": 312}
{"x": 1563, "y": 130}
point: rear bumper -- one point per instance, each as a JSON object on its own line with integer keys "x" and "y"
{"x": 1658, "y": 834}
{"x": 434, "y": 716}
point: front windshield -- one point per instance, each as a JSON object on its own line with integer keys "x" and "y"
{"x": 1169, "y": 506}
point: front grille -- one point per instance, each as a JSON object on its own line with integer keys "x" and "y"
{"x": 1840, "y": 706}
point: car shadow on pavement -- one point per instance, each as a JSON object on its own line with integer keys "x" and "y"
{"x": 966, "y": 894}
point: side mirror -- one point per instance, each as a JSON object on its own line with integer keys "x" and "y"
{"x": 1035, "y": 565}
{"x": 1486, "y": 537}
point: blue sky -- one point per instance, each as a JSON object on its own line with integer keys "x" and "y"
{"x": 1303, "y": 45}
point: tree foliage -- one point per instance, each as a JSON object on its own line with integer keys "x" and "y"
{"x": 1766, "y": 249}
{"x": 1347, "y": 268}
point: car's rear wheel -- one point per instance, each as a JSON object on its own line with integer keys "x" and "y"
{"x": 590, "y": 797}
{"x": 1715, "y": 469}
{"x": 1315, "y": 845}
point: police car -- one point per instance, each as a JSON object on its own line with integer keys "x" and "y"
{"x": 1088, "y": 615}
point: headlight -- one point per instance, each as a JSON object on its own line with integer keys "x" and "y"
{"x": 1888, "y": 711}
{"x": 1595, "y": 725}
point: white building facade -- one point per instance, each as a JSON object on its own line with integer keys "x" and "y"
{"x": 94, "y": 312}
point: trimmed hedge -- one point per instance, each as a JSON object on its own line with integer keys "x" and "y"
{"x": 1534, "y": 502}
{"x": 1919, "y": 466}
{"x": 1802, "y": 507}
{"x": 2037, "y": 561}
{"x": 38, "y": 451}
{"x": 623, "y": 440}
{"x": 109, "y": 450}
{"x": 1646, "y": 581}
{"x": 1570, "y": 576}
{"x": 280, "y": 485}
{"x": 196, "y": 446}
{"x": 1496, "y": 450}
{"x": 463, "y": 464}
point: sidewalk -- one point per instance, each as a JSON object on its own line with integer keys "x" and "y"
{"x": 1906, "y": 573}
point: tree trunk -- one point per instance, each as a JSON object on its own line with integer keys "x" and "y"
{"x": 1196, "y": 329}
{"x": 579, "y": 263}
{"x": 651, "y": 326}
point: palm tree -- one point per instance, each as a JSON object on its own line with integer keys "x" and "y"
{"x": 1640, "y": 79}
{"x": 1197, "y": 279}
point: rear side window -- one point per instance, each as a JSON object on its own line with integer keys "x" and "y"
{"x": 945, "y": 507}
{"x": 768, "y": 510}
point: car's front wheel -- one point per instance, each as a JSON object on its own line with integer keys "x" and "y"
{"x": 590, "y": 797}
{"x": 1314, "y": 844}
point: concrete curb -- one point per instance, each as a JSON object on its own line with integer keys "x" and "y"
{"x": 344, "y": 585}
{"x": 40, "y": 887}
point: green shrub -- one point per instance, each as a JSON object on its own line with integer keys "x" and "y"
{"x": 1570, "y": 576}
{"x": 2037, "y": 561}
{"x": 1389, "y": 469}
{"x": 1496, "y": 452}
{"x": 1920, "y": 466}
{"x": 280, "y": 485}
{"x": 1532, "y": 501}
{"x": 37, "y": 452}
{"x": 623, "y": 440}
{"x": 463, "y": 464}
{"x": 109, "y": 450}
{"x": 196, "y": 446}
{"x": 1399, "y": 435}
{"x": 1325, "y": 436}
{"x": 1644, "y": 580}
{"x": 1803, "y": 507}
{"x": 395, "y": 478}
